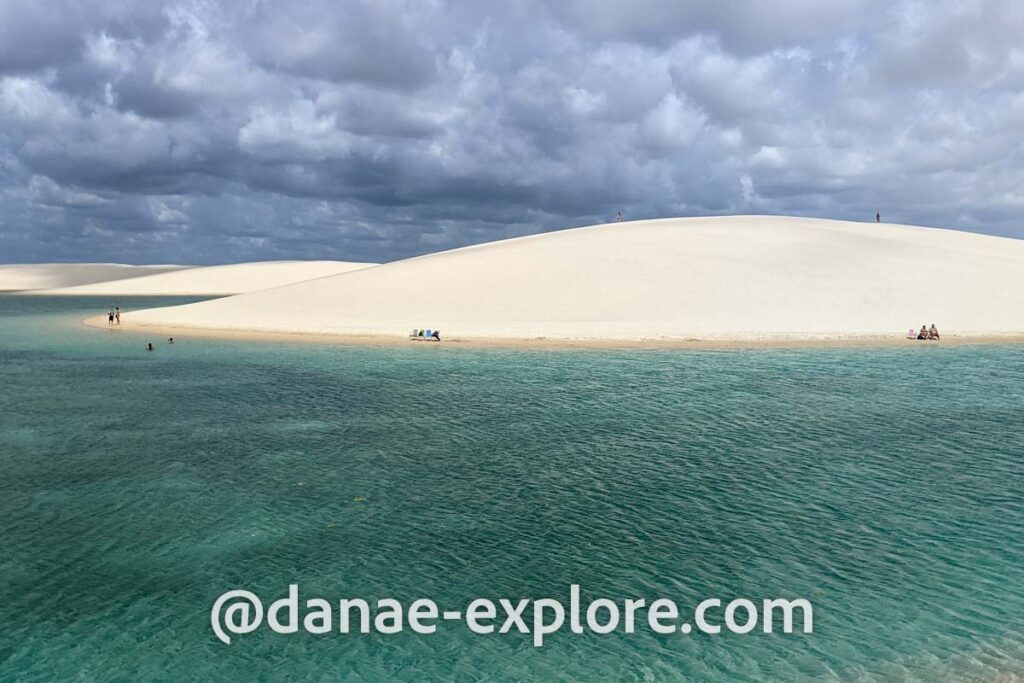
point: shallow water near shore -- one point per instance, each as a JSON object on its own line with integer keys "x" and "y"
{"x": 884, "y": 485}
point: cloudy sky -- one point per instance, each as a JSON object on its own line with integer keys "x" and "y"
{"x": 215, "y": 131}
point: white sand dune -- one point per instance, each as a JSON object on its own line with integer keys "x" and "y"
{"x": 728, "y": 278}
{"x": 214, "y": 280}
{"x": 31, "y": 276}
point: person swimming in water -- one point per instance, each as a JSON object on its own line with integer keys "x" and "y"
{"x": 149, "y": 346}
{"x": 170, "y": 340}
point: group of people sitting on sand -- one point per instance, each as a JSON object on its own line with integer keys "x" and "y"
{"x": 925, "y": 333}
{"x": 425, "y": 335}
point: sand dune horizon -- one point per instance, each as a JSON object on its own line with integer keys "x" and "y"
{"x": 218, "y": 280}
{"x": 735, "y": 277}
{"x": 18, "y": 277}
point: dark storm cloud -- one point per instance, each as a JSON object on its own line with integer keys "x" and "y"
{"x": 744, "y": 27}
{"x": 379, "y": 44}
{"x": 192, "y": 131}
{"x": 36, "y": 35}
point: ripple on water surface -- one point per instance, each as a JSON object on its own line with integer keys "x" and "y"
{"x": 883, "y": 485}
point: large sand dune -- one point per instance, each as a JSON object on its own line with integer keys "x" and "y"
{"x": 32, "y": 276}
{"x": 214, "y": 280}
{"x": 730, "y": 278}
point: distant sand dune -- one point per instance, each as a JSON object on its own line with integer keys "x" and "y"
{"x": 214, "y": 280}
{"x": 738, "y": 278}
{"x": 30, "y": 276}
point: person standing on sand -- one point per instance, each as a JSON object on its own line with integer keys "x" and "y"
{"x": 110, "y": 317}
{"x": 618, "y": 216}
{"x": 117, "y": 314}
{"x": 878, "y": 216}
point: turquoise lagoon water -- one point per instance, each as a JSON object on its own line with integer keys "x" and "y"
{"x": 885, "y": 485}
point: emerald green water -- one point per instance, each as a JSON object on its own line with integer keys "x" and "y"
{"x": 885, "y": 485}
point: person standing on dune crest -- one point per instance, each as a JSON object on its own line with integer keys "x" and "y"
{"x": 878, "y": 216}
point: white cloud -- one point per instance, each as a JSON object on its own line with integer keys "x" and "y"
{"x": 30, "y": 102}
{"x": 296, "y": 134}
